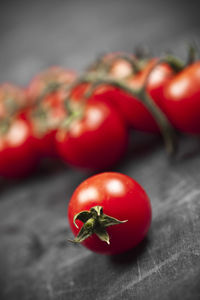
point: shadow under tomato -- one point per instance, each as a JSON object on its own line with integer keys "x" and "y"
{"x": 189, "y": 147}
{"x": 46, "y": 169}
{"x": 142, "y": 143}
{"x": 130, "y": 256}
{"x": 7, "y": 184}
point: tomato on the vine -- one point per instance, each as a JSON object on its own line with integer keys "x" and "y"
{"x": 47, "y": 92}
{"x": 109, "y": 213}
{"x": 181, "y": 100}
{"x": 148, "y": 72}
{"x": 95, "y": 137}
{"x": 134, "y": 111}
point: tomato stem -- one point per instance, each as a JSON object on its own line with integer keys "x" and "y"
{"x": 69, "y": 119}
{"x": 192, "y": 53}
{"x": 95, "y": 222}
{"x": 176, "y": 64}
{"x": 50, "y": 88}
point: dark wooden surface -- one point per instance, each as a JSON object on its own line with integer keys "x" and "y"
{"x": 36, "y": 261}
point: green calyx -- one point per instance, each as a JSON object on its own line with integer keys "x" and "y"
{"x": 177, "y": 64}
{"x": 74, "y": 112}
{"x": 95, "y": 222}
{"x": 76, "y": 115}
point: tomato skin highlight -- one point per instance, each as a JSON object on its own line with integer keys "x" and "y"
{"x": 121, "y": 197}
{"x": 96, "y": 141}
{"x": 181, "y": 100}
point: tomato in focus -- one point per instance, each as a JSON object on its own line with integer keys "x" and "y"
{"x": 120, "y": 197}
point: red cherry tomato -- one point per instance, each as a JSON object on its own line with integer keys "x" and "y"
{"x": 181, "y": 100}
{"x": 95, "y": 140}
{"x": 17, "y": 149}
{"x": 47, "y": 92}
{"x": 120, "y": 197}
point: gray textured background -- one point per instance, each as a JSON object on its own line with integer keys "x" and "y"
{"x": 36, "y": 261}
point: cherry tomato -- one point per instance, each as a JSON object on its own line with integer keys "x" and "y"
{"x": 109, "y": 198}
{"x": 47, "y": 92}
{"x": 17, "y": 149}
{"x": 96, "y": 139}
{"x": 181, "y": 100}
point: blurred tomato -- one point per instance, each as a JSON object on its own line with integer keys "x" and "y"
{"x": 17, "y": 148}
{"x": 181, "y": 99}
{"x": 94, "y": 139}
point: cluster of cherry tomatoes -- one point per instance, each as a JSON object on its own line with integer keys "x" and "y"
{"x": 85, "y": 120}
